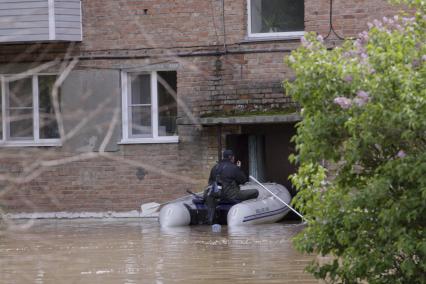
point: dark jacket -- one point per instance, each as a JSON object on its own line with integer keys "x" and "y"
{"x": 230, "y": 176}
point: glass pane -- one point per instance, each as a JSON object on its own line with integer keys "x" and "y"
{"x": 48, "y": 123}
{"x": 167, "y": 106}
{"x": 21, "y": 93}
{"x": 141, "y": 89}
{"x": 21, "y": 123}
{"x": 141, "y": 121}
{"x": 269, "y": 16}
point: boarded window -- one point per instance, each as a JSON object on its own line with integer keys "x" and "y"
{"x": 90, "y": 107}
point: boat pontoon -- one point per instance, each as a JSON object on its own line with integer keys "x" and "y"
{"x": 265, "y": 209}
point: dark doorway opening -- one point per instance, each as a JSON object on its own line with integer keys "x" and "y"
{"x": 264, "y": 150}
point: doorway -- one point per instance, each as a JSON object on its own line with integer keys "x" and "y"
{"x": 264, "y": 150}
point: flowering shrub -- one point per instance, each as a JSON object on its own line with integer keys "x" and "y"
{"x": 364, "y": 115}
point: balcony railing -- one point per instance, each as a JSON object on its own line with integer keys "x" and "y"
{"x": 40, "y": 20}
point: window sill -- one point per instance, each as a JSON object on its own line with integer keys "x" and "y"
{"x": 157, "y": 140}
{"x": 55, "y": 143}
{"x": 273, "y": 37}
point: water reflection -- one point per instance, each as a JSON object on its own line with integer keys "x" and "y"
{"x": 139, "y": 251}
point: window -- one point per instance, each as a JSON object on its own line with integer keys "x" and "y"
{"x": 149, "y": 107}
{"x": 27, "y": 113}
{"x": 275, "y": 18}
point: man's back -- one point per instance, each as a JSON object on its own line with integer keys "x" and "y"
{"x": 230, "y": 176}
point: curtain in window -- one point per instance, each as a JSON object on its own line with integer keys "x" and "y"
{"x": 140, "y": 106}
{"x": 268, "y": 16}
{"x": 167, "y": 106}
{"x": 47, "y": 118}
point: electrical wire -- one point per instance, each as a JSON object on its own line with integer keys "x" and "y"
{"x": 224, "y": 27}
{"x": 332, "y": 30}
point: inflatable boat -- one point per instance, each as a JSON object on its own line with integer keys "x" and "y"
{"x": 265, "y": 209}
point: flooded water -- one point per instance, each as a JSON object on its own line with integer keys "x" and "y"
{"x": 139, "y": 251}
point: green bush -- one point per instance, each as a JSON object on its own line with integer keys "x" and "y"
{"x": 362, "y": 151}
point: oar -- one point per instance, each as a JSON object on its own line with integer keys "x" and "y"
{"x": 277, "y": 197}
{"x": 147, "y": 209}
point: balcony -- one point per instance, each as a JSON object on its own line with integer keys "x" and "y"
{"x": 26, "y": 21}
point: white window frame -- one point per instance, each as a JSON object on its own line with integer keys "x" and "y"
{"x": 36, "y": 141}
{"x": 126, "y": 95}
{"x": 281, "y": 35}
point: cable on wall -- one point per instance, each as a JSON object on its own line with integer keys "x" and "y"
{"x": 224, "y": 27}
{"x": 214, "y": 21}
{"x": 332, "y": 30}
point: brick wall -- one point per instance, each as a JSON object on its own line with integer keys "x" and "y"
{"x": 349, "y": 17}
{"x": 117, "y": 181}
{"x": 161, "y": 23}
{"x": 235, "y": 83}
{"x": 124, "y": 33}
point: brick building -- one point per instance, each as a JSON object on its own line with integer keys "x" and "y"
{"x": 108, "y": 104}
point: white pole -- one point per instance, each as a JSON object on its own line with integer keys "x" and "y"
{"x": 277, "y": 197}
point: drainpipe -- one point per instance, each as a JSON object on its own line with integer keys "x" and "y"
{"x": 219, "y": 142}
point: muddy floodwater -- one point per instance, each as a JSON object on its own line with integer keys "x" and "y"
{"x": 139, "y": 251}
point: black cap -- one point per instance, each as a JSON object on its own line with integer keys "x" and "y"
{"x": 227, "y": 154}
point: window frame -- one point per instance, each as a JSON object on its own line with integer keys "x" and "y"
{"x": 279, "y": 35}
{"x": 126, "y": 115}
{"x": 36, "y": 141}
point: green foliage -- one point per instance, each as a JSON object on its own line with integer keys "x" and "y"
{"x": 364, "y": 115}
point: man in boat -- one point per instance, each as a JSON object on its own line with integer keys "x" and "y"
{"x": 224, "y": 184}
{"x": 230, "y": 176}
